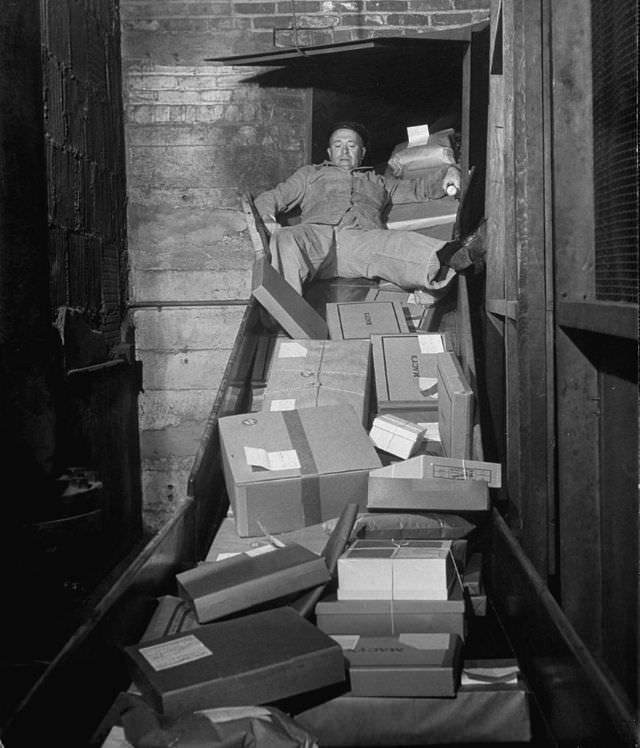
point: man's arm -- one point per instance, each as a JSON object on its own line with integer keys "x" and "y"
{"x": 283, "y": 197}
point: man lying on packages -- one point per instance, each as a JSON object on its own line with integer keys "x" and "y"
{"x": 341, "y": 232}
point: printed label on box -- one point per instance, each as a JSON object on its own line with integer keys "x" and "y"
{"x": 292, "y": 349}
{"x": 461, "y": 473}
{"x": 286, "y": 459}
{"x": 174, "y": 653}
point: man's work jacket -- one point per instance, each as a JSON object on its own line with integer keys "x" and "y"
{"x": 359, "y": 198}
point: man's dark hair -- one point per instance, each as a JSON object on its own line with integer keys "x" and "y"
{"x": 355, "y": 126}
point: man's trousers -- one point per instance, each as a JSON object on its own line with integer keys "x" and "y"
{"x": 406, "y": 258}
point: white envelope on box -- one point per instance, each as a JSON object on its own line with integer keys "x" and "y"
{"x": 431, "y": 483}
{"x": 396, "y": 435}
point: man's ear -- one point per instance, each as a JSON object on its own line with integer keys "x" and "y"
{"x": 364, "y": 153}
{"x": 329, "y": 153}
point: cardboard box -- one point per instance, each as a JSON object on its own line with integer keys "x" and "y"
{"x": 298, "y": 318}
{"x": 389, "y": 617}
{"x": 396, "y": 570}
{"x": 291, "y": 469}
{"x": 405, "y": 374}
{"x": 416, "y": 311}
{"x": 418, "y": 665}
{"x": 172, "y": 615}
{"x": 455, "y": 407}
{"x": 396, "y": 435}
{"x": 488, "y": 713}
{"x": 361, "y": 319}
{"x": 253, "y": 659}
{"x": 310, "y": 373}
{"x": 267, "y": 573}
{"x": 431, "y": 483}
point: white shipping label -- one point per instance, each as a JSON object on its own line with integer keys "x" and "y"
{"x": 418, "y": 135}
{"x": 431, "y": 431}
{"x": 175, "y": 652}
{"x": 291, "y": 349}
{"x": 346, "y": 641}
{"x": 278, "y": 405}
{"x": 430, "y": 344}
{"x": 286, "y": 459}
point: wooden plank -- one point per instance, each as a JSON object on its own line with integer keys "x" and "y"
{"x": 530, "y": 237}
{"x": 573, "y": 150}
{"x": 578, "y": 489}
{"x": 581, "y": 704}
{"x": 606, "y": 317}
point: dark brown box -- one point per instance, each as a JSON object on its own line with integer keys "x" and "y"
{"x": 417, "y": 665}
{"x": 218, "y": 588}
{"x": 254, "y": 659}
{"x": 298, "y": 318}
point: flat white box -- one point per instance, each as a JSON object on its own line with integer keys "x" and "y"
{"x": 432, "y": 483}
{"x": 396, "y": 436}
{"x": 396, "y": 570}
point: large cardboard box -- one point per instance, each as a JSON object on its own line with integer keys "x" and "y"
{"x": 361, "y": 319}
{"x": 298, "y": 318}
{"x": 417, "y": 665}
{"x": 310, "y": 373}
{"x": 405, "y": 374}
{"x": 253, "y": 659}
{"x": 487, "y": 712}
{"x": 432, "y": 483}
{"x": 396, "y": 570}
{"x": 389, "y": 617}
{"x": 259, "y": 575}
{"x": 291, "y": 469}
{"x": 455, "y": 407}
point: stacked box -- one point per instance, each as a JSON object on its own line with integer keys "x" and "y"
{"x": 253, "y": 659}
{"x": 418, "y": 665}
{"x": 432, "y": 483}
{"x": 406, "y": 376}
{"x": 396, "y": 570}
{"x": 388, "y": 617}
{"x": 267, "y": 573}
{"x": 348, "y": 320}
{"x": 310, "y": 373}
{"x": 291, "y": 469}
{"x": 455, "y": 407}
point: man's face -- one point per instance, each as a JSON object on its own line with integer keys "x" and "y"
{"x": 346, "y": 149}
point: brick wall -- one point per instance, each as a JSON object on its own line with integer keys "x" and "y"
{"x": 196, "y": 134}
{"x": 84, "y": 143}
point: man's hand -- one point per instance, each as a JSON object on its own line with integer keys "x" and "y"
{"x": 451, "y": 181}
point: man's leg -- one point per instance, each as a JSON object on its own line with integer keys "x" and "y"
{"x": 297, "y": 252}
{"x": 406, "y": 258}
